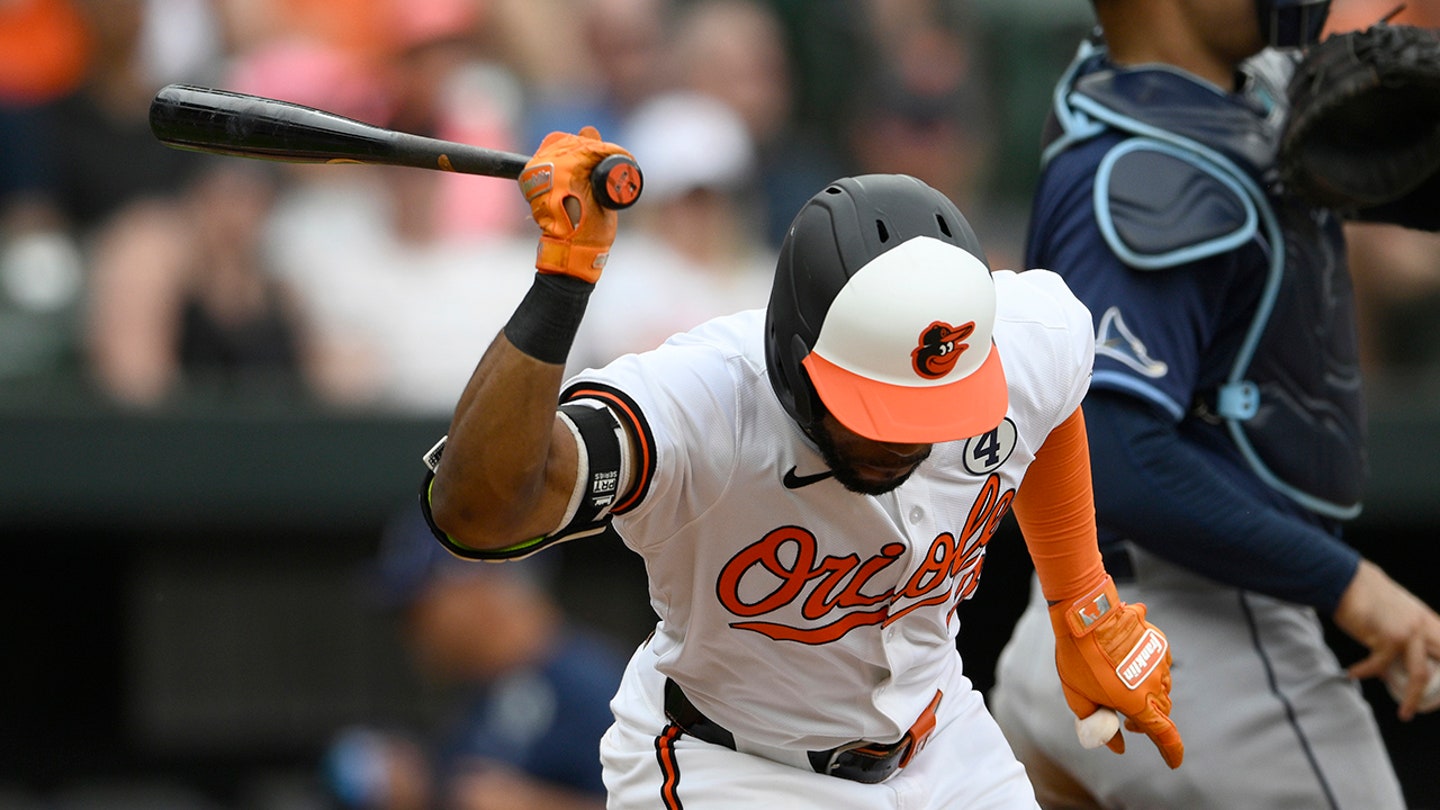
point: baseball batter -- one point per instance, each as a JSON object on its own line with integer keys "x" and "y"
{"x": 1225, "y": 421}
{"x": 812, "y": 488}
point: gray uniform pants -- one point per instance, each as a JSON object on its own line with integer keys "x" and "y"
{"x": 1269, "y": 718}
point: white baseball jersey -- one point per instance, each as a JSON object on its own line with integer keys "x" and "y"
{"x": 793, "y": 612}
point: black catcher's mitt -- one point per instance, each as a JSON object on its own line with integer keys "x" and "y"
{"x": 1363, "y": 133}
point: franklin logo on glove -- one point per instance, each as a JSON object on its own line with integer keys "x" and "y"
{"x": 1142, "y": 660}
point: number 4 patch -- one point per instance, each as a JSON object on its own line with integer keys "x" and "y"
{"x": 985, "y": 453}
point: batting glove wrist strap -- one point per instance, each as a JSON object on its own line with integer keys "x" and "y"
{"x": 567, "y": 258}
{"x": 1108, "y": 655}
{"x": 546, "y": 321}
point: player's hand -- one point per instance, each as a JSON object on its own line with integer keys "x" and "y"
{"x": 1108, "y": 655}
{"x": 1397, "y": 629}
{"x": 576, "y": 232}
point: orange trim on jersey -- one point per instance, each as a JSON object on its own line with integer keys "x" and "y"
{"x": 944, "y": 597}
{"x": 817, "y": 635}
{"x": 628, "y": 412}
{"x": 1055, "y": 508}
{"x": 669, "y": 767}
{"x": 921, "y": 729}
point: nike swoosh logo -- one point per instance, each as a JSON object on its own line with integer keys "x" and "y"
{"x": 793, "y": 481}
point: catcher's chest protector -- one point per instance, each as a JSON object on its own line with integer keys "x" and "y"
{"x": 1292, "y": 401}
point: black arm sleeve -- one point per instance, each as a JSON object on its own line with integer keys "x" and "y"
{"x": 1165, "y": 495}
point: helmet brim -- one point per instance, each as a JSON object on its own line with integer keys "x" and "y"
{"x": 902, "y": 414}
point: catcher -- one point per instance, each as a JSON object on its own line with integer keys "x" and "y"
{"x": 1225, "y": 413}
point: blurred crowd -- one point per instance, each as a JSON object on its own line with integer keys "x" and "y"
{"x": 144, "y": 276}
{"x": 148, "y": 277}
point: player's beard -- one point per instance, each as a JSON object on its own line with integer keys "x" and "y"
{"x": 847, "y": 468}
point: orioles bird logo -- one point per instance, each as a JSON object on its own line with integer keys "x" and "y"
{"x": 939, "y": 348}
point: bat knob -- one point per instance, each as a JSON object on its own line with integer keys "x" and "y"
{"x": 616, "y": 182}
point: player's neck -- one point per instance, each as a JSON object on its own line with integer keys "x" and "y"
{"x": 1132, "y": 42}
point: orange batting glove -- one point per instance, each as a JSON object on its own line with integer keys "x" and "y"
{"x": 1108, "y": 655}
{"x": 576, "y": 232}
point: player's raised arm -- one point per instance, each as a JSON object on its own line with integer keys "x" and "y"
{"x": 510, "y": 464}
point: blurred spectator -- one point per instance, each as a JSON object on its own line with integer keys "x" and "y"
{"x": 44, "y": 51}
{"x": 616, "y": 67}
{"x": 444, "y": 87}
{"x": 182, "y": 302}
{"x": 77, "y": 151}
{"x": 388, "y": 297}
{"x": 391, "y": 264}
{"x": 41, "y": 291}
{"x": 97, "y": 157}
{"x": 737, "y": 51}
{"x": 182, "y": 41}
{"x": 44, "y": 55}
{"x": 361, "y": 28}
{"x": 100, "y": 146}
{"x": 831, "y": 45}
{"x": 528, "y": 691}
{"x": 925, "y": 111}
{"x": 315, "y": 74}
{"x": 692, "y": 248}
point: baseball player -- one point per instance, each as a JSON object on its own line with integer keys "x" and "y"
{"x": 1225, "y": 421}
{"x": 812, "y": 488}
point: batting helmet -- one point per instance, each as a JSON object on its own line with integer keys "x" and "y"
{"x": 882, "y": 313}
{"x": 1292, "y": 23}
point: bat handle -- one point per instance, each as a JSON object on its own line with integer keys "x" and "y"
{"x": 616, "y": 182}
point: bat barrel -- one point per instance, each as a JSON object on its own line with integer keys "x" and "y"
{"x": 208, "y": 120}
{"x": 223, "y": 122}
{"x": 204, "y": 119}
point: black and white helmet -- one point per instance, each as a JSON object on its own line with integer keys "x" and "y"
{"x": 882, "y": 312}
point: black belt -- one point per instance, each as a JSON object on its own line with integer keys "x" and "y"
{"x": 1119, "y": 562}
{"x": 858, "y": 762}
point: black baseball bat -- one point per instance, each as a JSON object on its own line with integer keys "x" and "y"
{"x": 223, "y": 122}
